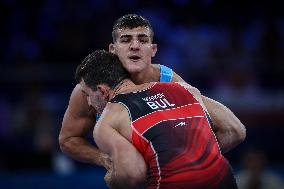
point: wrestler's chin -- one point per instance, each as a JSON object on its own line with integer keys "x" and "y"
{"x": 135, "y": 66}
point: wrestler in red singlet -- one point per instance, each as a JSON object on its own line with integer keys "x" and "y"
{"x": 172, "y": 132}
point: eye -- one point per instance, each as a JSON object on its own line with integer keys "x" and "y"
{"x": 144, "y": 40}
{"x": 124, "y": 40}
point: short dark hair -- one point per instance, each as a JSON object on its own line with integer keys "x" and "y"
{"x": 101, "y": 67}
{"x": 131, "y": 21}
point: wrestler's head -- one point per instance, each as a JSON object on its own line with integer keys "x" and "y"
{"x": 133, "y": 42}
{"x": 97, "y": 75}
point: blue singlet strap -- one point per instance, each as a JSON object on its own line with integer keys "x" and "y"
{"x": 166, "y": 74}
{"x": 98, "y": 116}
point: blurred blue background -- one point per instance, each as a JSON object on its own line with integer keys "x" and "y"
{"x": 233, "y": 51}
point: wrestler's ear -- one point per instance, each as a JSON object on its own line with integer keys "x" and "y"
{"x": 104, "y": 90}
{"x": 154, "y": 49}
{"x": 111, "y": 48}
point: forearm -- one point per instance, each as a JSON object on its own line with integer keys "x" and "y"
{"x": 79, "y": 149}
{"x": 228, "y": 128}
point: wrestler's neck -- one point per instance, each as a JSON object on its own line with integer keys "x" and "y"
{"x": 150, "y": 74}
{"x": 124, "y": 86}
{"x": 127, "y": 86}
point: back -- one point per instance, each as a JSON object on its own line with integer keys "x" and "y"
{"x": 172, "y": 132}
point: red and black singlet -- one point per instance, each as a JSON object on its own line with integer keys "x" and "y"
{"x": 172, "y": 132}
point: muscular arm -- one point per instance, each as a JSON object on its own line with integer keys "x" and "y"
{"x": 228, "y": 129}
{"x": 129, "y": 169}
{"x": 78, "y": 120}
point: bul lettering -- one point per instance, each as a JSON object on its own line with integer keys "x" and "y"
{"x": 161, "y": 103}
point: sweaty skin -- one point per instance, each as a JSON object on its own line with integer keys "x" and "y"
{"x": 135, "y": 50}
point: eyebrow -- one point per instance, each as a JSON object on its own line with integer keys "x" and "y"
{"x": 143, "y": 35}
{"x": 129, "y": 36}
{"x": 125, "y": 36}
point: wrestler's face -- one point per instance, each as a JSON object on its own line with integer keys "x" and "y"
{"x": 134, "y": 48}
{"x": 95, "y": 98}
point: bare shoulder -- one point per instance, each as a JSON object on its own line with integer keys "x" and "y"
{"x": 116, "y": 116}
{"x": 190, "y": 88}
{"x": 194, "y": 91}
{"x": 156, "y": 66}
{"x": 113, "y": 109}
{"x": 114, "y": 113}
{"x": 177, "y": 78}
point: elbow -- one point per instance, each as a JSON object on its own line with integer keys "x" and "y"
{"x": 241, "y": 133}
{"x": 63, "y": 143}
{"x": 238, "y": 134}
{"x": 231, "y": 137}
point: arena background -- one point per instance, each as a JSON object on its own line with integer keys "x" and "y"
{"x": 233, "y": 51}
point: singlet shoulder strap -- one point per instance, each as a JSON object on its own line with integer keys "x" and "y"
{"x": 166, "y": 74}
{"x": 98, "y": 117}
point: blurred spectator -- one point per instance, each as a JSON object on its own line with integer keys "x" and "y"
{"x": 270, "y": 63}
{"x": 255, "y": 173}
{"x": 5, "y": 117}
{"x": 33, "y": 126}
